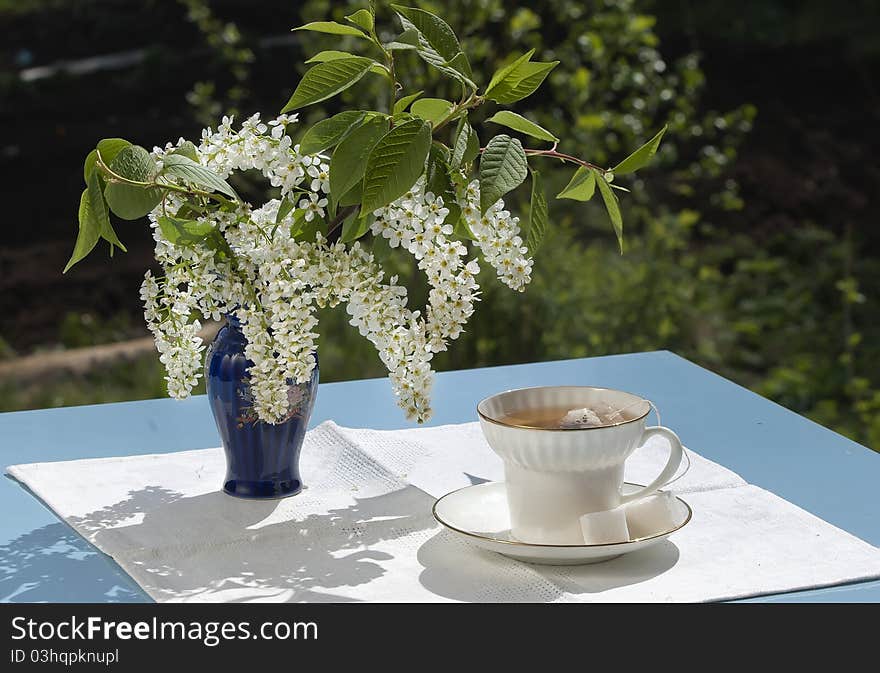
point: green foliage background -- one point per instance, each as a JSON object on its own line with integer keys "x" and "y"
{"x": 762, "y": 269}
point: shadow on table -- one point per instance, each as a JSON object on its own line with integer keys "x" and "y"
{"x": 173, "y": 545}
{"x": 264, "y": 551}
{"x": 54, "y": 564}
{"x": 458, "y": 570}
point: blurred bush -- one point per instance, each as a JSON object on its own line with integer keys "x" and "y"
{"x": 141, "y": 378}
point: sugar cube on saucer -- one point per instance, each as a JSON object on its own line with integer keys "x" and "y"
{"x": 605, "y": 527}
{"x": 651, "y": 515}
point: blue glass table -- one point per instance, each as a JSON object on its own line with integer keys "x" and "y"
{"x": 43, "y": 559}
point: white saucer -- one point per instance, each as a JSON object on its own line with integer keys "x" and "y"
{"x": 479, "y": 514}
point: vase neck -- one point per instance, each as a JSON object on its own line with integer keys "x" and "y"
{"x": 233, "y": 330}
{"x": 233, "y": 321}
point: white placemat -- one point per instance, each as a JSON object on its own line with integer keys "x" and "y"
{"x": 363, "y": 530}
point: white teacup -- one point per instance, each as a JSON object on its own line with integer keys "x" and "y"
{"x": 555, "y": 476}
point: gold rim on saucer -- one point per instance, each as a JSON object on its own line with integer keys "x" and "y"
{"x": 579, "y": 429}
{"x": 518, "y": 543}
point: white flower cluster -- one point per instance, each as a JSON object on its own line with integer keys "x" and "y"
{"x": 177, "y": 338}
{"x": 415, "y": 222}
{"x": 498, "y": 238}
{"x": 274, "y": 283}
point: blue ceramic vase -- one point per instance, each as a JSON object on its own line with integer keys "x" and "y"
{"x": 262, "y": 460}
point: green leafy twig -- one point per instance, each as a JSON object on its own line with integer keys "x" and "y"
{"x": 115, "y": 178}
{"x": 375, "y": 157}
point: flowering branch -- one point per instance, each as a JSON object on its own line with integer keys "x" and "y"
{"x": 273, "y": 264}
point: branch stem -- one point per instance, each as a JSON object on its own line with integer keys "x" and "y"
{"x": 392, "y": 75}
{"x": 336, "y": 222}
{"x": 467, "y": 104}
{"x": 553, "y": 154}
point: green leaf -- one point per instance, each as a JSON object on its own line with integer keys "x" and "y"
{"x": 439, "y": 183}
{"x": 641, "y": 156}
{"x": 185, "y": 233}
{"x": 88, "y": 235}
{"x": 437, "y": 43}
{"x": 325, "y": 80}
{"x": 333, "y": 55}
{"x": 332, "y": 28}
{"x": 518, "y": 80}
{"x": 299, "y": 219}
{"x": 188, "y": 210}
{"x": 361, "y": 18}
{"x": 133, "y": 201}
{"x": 581, "y": 186}
{"x": 89, "y": 165}
{"x": 503, "y": 167}
{"x": 437, "y": 178}
{"x": 98, "y": 207}
{"x": 329, "y": 55}
{"x": 353, "y": 196}
{"x": 395, "y": 163}
{"x": 431, "y": 109}
{"x": 134, "y": 163}
{"x": 461, "y": 229}
{"x": 284, "y": 209}
{"x": 538, "y": 215}
{"x": 519, "y": 123}
{"x": 349, "y": 161}
{"x": 407, "y": 40}
{"x": 98, "y": 210}
{"x": 187, "y": 149}
{"x": 329, "y": 132}
{"x": 402, "y": 104}
{"x": 502, "y": 73}
{"x": 462, "y": 65}
{"x": 534, "y": 75}
{"x": 109, "y": 148}
{"x": 434, "y": 33}
{"x": 215, "y": 241}
{"x": 613, "y": 209}
{"x": 440, "y": 150}
{"x": 354, "y": 227}
{"x": 182, "y": 167}
{"x": 309, "y": 230}
{"x": 467, "y": 144}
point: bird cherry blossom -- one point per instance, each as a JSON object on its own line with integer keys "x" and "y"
{"x": 274, "y": 280}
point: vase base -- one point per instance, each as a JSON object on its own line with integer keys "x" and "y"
{"x": 262, "y": 490}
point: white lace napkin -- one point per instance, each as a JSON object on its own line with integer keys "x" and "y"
{"x": 363, "y": 530}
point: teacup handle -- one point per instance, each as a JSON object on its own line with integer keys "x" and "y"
{"x": 675, "y": 455}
